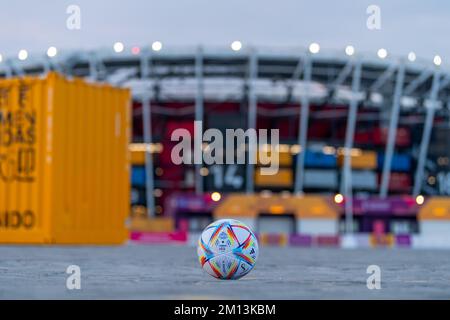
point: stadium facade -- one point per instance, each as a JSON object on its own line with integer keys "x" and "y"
{"x": 364, "y": 141}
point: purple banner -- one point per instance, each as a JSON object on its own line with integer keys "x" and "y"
{"x": 189, "y": 202}
{"x": 403, "y": 240}
{"x": 300, "y": 240}
{"x": 389, "y": 206}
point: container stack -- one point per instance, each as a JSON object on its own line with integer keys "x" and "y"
{"x": 64, "y": 161}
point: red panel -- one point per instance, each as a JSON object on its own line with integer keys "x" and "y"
{"x": 363, "y": 137}
{"x": 403, "y": 138}
{"x": 165, "y": 157}
{"x": 171, "y": 173}
{"x": 319, "y": 130}
{"x": 400, "y": 182}
{"x": 286, "y": 132}
{"x": 263, "y": 123}
{"x": 222, "y": 107}
{"x": 172, "y": 125}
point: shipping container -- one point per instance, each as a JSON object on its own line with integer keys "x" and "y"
{"x": 225, "y": 177}
{"x": 138, "y": 176}
{"x": 363, "y": 137}
{"x": 138, "y": 196}
{"x": 283, "y": 178}
{"x": 320, "y": 160}
{"x": 64, "y": 161}
{"x": 315, "y": 178}
{"x": 400, "y": 162}
{"x": 361, "y": 160}
{"x": 287, "y": 128}
{"x": 439, "y": 142}
{"x": 172, "y": 174}
{"x": 138, "y": 157}
{"x": 280, "y": 158}
{"x": 402, "y": 139}
{"x": 165, "y": 157}
{"x": 364, "y": 180}
{"x": 319, "y": 130}
{"x": 173, "y": 125}
{"x": 399, "y": 182}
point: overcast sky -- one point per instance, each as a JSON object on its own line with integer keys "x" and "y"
{"x": 421, "y": 26}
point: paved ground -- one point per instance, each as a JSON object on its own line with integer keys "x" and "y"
{"x": 172, "y": 272}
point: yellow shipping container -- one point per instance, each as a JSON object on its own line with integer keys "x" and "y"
{"x": 362, "y": 160}
{"x": 283, "y": 178}
{"x": 159, "y": 224}
{"x": 282, "y": 158}
{"x": 64, "y": 161}
{"x": 138, "y": 157}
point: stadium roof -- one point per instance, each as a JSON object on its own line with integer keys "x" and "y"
{"x": 279, "y": 73}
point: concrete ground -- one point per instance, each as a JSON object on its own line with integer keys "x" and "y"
{"x": 172, "y": 272}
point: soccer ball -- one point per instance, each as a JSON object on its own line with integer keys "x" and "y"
{"x": 227, "y": 249}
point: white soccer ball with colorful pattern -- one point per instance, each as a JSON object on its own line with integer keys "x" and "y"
{"x": 227, "y": 249}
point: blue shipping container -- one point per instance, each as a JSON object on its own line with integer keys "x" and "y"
{"x": 320, "y": 160}
{"x": 138, "y": 176}
{"x": 400, "y": 162}
{"x": 138, "y": 196}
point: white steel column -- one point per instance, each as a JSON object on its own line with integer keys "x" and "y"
{"x": 199, "y": 106}
{"x": 145, "y": 63}
{"x": 93, "y": 72}
{"x": 349, "y": 137}
{"x": 252, "y": 113}
{"x": 426, "y": 135}
{"x": 47, "y": 65}
{"x": 148, "y": 139}
{"x": 303, "y": 129}
{"x": 393, "y": 125}
{"x": 7, "y": 65}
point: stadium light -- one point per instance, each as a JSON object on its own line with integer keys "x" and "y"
{"x": 118, "y": 47}
{"x": 437, "y": 60}
{"x": 216, "y": 196}
{"x": 159, "y": 171}
{"x": 338, "y": 198}
{"x": 420, "y": 199}
{"x": 412, "y": 56}
{"x": 135, "y": 50}
{"x": 23, "y": 55}
{"x": 349, "y": 50}
{"x": 158, "y": 193}
{"x": 204, "y": 172}
{"x": 157, "y": 46}
{"x": 236, "y": 45}
{"x": 382, "y": 53}
{"x": 314, "y": 48}
{"x": 52, "y": 52}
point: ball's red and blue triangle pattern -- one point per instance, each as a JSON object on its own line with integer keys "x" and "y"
{"x": 227, "y": 249}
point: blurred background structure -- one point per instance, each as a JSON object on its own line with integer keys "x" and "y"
{"x": 390, "y": 114}
{"x": 364, "y": 128}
